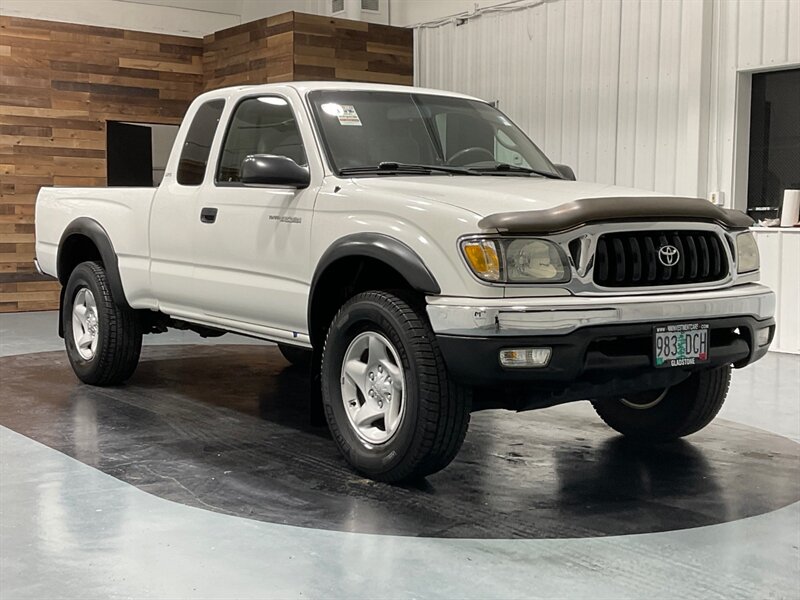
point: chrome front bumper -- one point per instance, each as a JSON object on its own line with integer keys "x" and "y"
{"x": 557, "y": 315}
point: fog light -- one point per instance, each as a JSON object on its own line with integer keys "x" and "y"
{"x": 762, "y": 336}
{"x": 525, "y": 357}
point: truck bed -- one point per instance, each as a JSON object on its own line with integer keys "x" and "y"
{"x": 123, "y": 212}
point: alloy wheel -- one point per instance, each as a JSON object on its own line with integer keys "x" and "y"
{"x": 85, "y": 323}
{"x": 373, "y": 388}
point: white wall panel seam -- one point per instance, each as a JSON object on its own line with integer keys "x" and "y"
{"x": 668, "y": 97}
{"x": 627, "y": 101}
{"x": 677, "y": 171}
{"x": 713, "y": 129}
{"x": 682, "y": 161}
{"x": 775, "y": 32}
{"x": 700, "y": 107}
{"x": 607, "y": 106}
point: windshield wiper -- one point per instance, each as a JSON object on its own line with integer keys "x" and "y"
{"x": 507, "y": 168}
{"x": 405, "y": 168}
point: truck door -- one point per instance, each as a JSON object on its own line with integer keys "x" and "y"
{"x": 173, "y": 216}
{"x": 252, "y": 243}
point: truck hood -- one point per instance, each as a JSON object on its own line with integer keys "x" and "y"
{"x": 488, "y": 195}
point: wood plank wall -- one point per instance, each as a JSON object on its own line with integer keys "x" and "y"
{"x": 301, "y": 47}
{"x": 256, "y": 52}
{"x": 60, "y": 83}
{"x": 326, "y": 48}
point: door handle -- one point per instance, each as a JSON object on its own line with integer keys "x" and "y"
{"x": 208, "y": 215}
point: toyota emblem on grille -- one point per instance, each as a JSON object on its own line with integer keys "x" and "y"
{"x": 669, "y": 255}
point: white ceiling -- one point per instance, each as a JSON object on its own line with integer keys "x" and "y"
{"x": 197, "y": 18}
{"x": 224, "y": 7}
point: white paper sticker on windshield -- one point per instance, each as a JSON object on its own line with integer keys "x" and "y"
{"x": 349, "y": 116}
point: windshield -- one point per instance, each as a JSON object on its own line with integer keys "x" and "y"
{"x": 362, "y": 130}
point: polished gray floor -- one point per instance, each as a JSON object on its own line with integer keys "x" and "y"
{"x": 69, "y": 530}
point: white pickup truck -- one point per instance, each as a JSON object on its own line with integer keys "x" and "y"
{"x": 423, "y": 257}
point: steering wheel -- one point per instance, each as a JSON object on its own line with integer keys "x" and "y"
{"x": 463, "y": 152}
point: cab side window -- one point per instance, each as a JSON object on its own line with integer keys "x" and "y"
{"x": 263, "y": 125}
{"x": 197, "y": 145}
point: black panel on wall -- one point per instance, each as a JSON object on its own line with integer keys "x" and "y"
{"x": 129, "y": 155}
{"x": 774, "y": 141}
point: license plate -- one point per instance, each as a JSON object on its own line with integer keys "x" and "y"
{"x": 680, "y": 345}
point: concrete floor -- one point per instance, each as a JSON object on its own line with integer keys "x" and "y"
{"x": 69, "y": 530}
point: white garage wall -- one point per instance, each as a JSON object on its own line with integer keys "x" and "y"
{"x": 748, "y": 36}
{"x": 601, "y": 85}
{"x": 751, "y": 36}
{"x": 780, "y": 249}
{"x": 253, "y": 10}
{"x": 639, "y": 93}
{"x": 405, "y": 13}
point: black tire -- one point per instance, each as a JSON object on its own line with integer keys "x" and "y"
{"x": 437, "y": 410}
{"x": 300, "y": 357}
{"x": 119, "y": 330}
{"x": 684, "y": 408}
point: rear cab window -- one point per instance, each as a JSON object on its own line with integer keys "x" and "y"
{"x": 197, "y": 145}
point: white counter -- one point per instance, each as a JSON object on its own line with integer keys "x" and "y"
{"x": 780, "y": 269}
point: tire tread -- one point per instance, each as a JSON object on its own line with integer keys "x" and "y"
{"x": 705, "y": 393}
{"x": 122, "y": 341}
{"x": 444, "y": 405}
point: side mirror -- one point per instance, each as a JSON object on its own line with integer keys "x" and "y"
{"x": 565, "y": 171}
{"x": 268, "y": 169}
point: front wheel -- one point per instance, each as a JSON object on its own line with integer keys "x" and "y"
{"x": 393, "y": 411}
{"x": 664, "y": 415}
{"x": 103, "y": 340}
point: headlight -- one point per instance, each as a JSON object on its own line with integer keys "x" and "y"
{"x": 516, "y": 260}
{"x": 535, "y": 260}
{"x": 746, "y": 253}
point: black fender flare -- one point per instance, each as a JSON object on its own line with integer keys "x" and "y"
{"x": 94, "y": 231}
{"x": 384, "y": 248}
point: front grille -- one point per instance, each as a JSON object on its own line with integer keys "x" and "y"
{"x": 631, "y": 259}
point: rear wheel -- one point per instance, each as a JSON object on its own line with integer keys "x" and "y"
{"x": 103, "y": 340}
{"x": 393, "y": 411}
{"x": 297, "y": 356}
{"x": 675, "y": 412}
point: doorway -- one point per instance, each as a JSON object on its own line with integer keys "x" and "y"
{"x": 774, "y": 152}
{"x": 137, "y": 153}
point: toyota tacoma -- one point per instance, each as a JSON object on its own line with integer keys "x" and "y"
{"x": 423, "y": 258}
